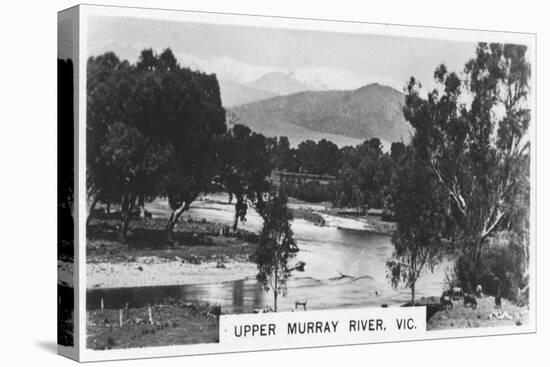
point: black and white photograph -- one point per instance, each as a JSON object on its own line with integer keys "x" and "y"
{"x": 236, "y": 168}
{"x": 274, "y": 183}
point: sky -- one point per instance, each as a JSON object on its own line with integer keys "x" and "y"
{"x": 244, "y": 53}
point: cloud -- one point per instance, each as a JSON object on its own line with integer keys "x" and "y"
{"x": 328, "y": 78}
{"x": 230, "y": 69}
{"x": 227, "y": 68}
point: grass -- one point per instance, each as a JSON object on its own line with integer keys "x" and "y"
{"x": 174, "y": 323}
{"x": 461, "y": 317}
{"x": 194, "y": 241}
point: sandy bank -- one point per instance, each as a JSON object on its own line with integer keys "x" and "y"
{"x": 154, "y": 271}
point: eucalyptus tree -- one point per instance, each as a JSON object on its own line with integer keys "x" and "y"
{"x": 472, "y": 132}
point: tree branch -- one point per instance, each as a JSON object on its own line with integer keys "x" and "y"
{"x": 489, "y": 229}
{"x": 459, "y": 200}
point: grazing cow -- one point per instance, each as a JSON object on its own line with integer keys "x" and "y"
{"x": 457, "y": 293}
{"x": 470, "y": 300}
{"x": 523, "y": 296}
{"x": 446, "y": 302}
{"x": 300, "y": 303}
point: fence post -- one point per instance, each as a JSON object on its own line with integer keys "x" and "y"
{"x": 150, "y": 315}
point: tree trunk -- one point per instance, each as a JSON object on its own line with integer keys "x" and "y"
{"x": 412, "y": 292}
{"x": 236, "y": 218}
{"x": 173, "y": 220}
{"x": 108, "y": 208}
{"x": 474, "y": 280}
{"x": 92, "y": 207}
{"x": 260, "y": 205}
{"x": 127, "y": 208}
{"x": 276, "y": 285}
{"x": 238, "y": 204}
{"x": 230, "y": 197}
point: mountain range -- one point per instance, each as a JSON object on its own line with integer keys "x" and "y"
{"x": 346, "y": 117}
{"x": 272, "y": 84}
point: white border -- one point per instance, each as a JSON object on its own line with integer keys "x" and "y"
{"x": 87, "y": 10}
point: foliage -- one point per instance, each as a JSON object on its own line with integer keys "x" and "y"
{"x": 363, "y": 173}
{"x": 310, "y": 191}
{"x": 365, "y": 177}
{"x": 471, "y": 132}
{"x": 150, "y": 129}
{"x": 243, "y": 167}
{"x": 276, "y": 247}
{"x": 420, "y": 216}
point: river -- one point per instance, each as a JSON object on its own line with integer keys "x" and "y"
{"x": 327, "y": 252}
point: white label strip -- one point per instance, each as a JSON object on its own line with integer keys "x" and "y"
{"x": 312, "y": 328}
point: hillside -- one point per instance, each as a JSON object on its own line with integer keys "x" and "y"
{"x": 356, "y": 115}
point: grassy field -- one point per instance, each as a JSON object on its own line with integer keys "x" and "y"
{"x": 174, "y": 323}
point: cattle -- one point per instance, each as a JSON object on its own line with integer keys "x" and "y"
{"x": 523, "y": 296}
{"x": 448, "y": 292}
{"x": 470, "y": 299}
{"x": 300, "y": 303}
{"x": 299, "y": 266}
{"x": 457, "y": 293}
{"x": 446, "y": 302}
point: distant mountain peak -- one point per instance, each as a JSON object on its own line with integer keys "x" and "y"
{"x": 376, "y": 85}
{"x": 372, "y": 111}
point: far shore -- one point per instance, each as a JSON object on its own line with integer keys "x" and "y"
{"x": 324, "y": 214}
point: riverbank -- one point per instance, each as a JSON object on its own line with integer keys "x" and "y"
{"x": 484, "y": 315}
{"x": 202, "y": 253}
{"x": 324, "y": 214}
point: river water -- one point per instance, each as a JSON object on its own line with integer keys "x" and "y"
{"x": 327, "y": 251}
